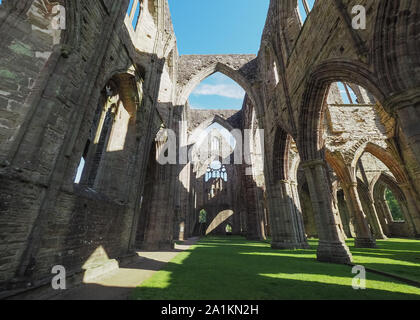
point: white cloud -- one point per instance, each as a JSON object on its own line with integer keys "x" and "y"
{"x": 232, "y": 91}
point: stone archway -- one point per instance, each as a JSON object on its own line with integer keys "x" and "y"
{"x": 312, "y": 103}
{"x": 384, "y": 156}
{"x": 192, "y": 69}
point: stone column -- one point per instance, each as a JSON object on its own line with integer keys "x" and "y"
{"x": 407, "y": 108}
{"x": 287, "y": 231}
{"x": 159, "y": 229}
{"x": 266, "y": 217}
{"x": 335, "y": 205}
{"x": 413, "y": 217}
{"x": 332, "y": 247}
{"x": 411, "y": 232}
{"x": 378, "y": 231}
{"x": 364, "y": 238}
{"x": 387, "y": 211}
{"x": 253, "y": 231}
{"x": 297, "y": 213}
{"x": 383, "y": 216}
{"x": 260, "y": 213}
{"x": 345, "y": 217}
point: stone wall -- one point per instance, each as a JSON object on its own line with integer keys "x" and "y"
{"x": 56, "y": 86}
{"x": 49, "y": 103}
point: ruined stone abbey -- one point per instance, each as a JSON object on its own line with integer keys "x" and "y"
{"x": 92, "y": 102}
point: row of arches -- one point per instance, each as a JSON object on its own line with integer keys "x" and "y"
{"x": 366, "y": 204}
{"x": 303, "y": 121}
{"x": 87, "y": 105}
{"x": 308, "y": 134}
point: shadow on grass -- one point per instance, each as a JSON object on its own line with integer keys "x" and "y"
{"x": 236, "y": 269}
{"x": 400, "y": 257}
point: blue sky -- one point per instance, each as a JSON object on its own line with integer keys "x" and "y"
{"x": 218, "y": 27}
{"x": 302, "y": 9}
{"x": 217, "y": 92}
{"x": 344, "y": 95}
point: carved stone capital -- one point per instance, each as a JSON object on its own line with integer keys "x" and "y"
{"x": 313, "y": 163}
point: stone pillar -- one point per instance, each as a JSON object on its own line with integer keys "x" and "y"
{"x": 413, "y": 217}
{"x": 266, "y": 217}
{"x": 308, "y": 214}
{"x": 387, "y": 211}
{"x": 407, "y": 108}
{"x": 287, "y": 230}
{"x": 159, "y": 231}
{"x": 345, "y": 217}
{"x": 364, "y": 238}
{"x": 383, "y": 216}
{"x": 297, "y": 213}
{"x": 411, "y": 232}
{"x": 253, "y": 229}
{"x": 332, "y": 247}
{"x": 260, "y": 213}
{"x": 159, "y": 206}
{"x": 335, "y": 205}
{"x": 377, "y": 227}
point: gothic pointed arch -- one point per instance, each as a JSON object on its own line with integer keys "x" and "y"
{"x": 312, "y": 106}
{"x": 384, "y": 156}
{"x": 195, "y": 68}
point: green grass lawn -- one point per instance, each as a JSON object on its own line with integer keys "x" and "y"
{"x": 236, "y": 269}
{"x": 400, "y": 257}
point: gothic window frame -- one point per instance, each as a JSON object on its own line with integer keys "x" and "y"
{"x": 216, "y": 172}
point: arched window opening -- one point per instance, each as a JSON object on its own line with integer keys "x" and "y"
{"x": 202, "y": 216}
{"x": 170, "y": 64}
{"x": 215, "y": 142}
{"x": 394, "y": 206}
{"x": 305, "y": 7}
{"x": 97, "y": 136}
{"x": 108, "y": 135}
{"x": 276, "y": 73}
{"x": 202, "y": 221}
{"x": 229, "y": 229}
{"x": 82, "y": 163}
{"x": 272, "y": 70}
{"x": 215, "y": 145}
{"x": 217, "y": 91}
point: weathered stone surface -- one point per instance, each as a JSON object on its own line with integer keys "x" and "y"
{"x": 102, "y": 91}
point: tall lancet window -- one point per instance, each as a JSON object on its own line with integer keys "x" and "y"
{"x": 215, "y": 145}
